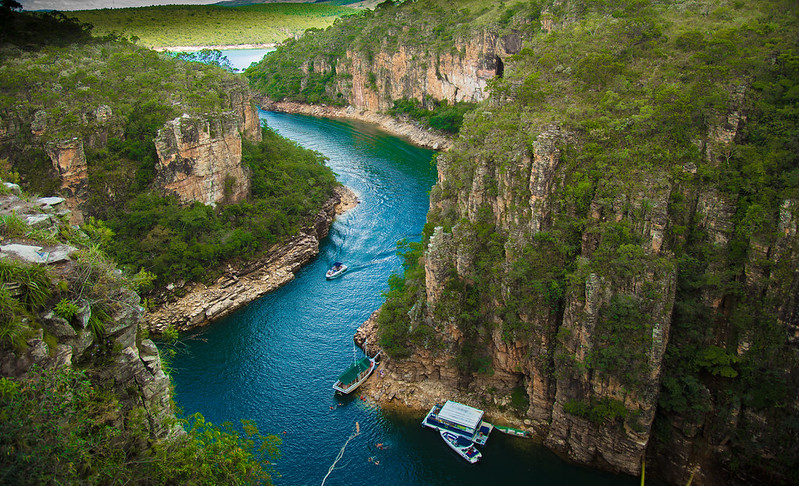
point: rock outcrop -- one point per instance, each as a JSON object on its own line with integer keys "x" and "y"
{"x": 133, "y": 371}
{"x": 373, "y": 82}
{"x": 69, "y": 160}
{"x": 199, "y": 159}
{"x": 199, "y": 156}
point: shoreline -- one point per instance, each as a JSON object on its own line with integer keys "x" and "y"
{"x": 201, "y": 304}
{"x": 219, "y": 48}
{"x": 390, "y": 388}
{"x": 414, "y": 133}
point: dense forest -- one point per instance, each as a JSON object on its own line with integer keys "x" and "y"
{"x": 621, "y": 207}
{"x": 115, "y": 97}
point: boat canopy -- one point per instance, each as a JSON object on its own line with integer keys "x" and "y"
{"x": 461, "y": 414}
{"x": 354, "y": 370}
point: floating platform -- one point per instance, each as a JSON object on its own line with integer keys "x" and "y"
{"x": 462, "y": 422}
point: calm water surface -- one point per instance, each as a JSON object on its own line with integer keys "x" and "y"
{"x": 275, "y": 361}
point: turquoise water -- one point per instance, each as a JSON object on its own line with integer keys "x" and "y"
{"x": 275, "y": 361}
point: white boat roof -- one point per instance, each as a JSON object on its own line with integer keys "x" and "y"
{"x": 461, "y": 414}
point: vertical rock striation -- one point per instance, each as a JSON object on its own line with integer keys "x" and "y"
{"x": 199, "y": 159}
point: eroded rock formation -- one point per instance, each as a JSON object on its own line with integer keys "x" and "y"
{"x": 199, "y": 159}
{"x": 134, "y": 370}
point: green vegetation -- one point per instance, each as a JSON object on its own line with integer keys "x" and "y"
{"x": 519, "y": 400}
{"x": 58, "y": 427}
{"x": 72, "y": 424}
{"x": 402, "y": 295}
{"x": 211, "y": 25}
{"x": 439, "y": 115}
{"x": 96, "y": 89}
{"x": 289, "y": 184}
{"x": 24, "y": 289}
{"x": 598, "y": 411}
{"x": 78, "y": 93}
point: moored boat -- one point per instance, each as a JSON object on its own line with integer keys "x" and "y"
{"x": 356, "y": 374}
{"x": 461, "y": 445}
{"x": 512, "y": 431}
{"x": 454, "y": 421}
{"x": 336, "y": 270}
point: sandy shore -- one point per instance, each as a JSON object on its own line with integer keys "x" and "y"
{"x": 218, "y": 48}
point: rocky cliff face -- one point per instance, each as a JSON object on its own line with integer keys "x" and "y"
{"x": 199, "y": 156}
{"x": 69, "y": 160}
{"x": 199, "y": 159}
{"x": 132, "y": 370}
{"x": 373, "y": 82}
{"x": 589, "y": 358}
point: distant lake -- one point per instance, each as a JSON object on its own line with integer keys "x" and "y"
{"x": 241, "y": 59}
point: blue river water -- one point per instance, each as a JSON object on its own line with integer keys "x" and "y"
{"x": 274, "y": 361}
{"x": 241, "y": 59}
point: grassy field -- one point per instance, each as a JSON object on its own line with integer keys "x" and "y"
{"x": 196, "y": 25}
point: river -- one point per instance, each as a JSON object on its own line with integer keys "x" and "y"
{"x": 274, "y": 361}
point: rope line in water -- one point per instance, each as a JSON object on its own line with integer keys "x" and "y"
{"x": 341, "y": 452}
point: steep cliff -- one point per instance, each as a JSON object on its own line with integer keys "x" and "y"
{"x": 98, "y": 331}
{"x": 200, "y": 160}
{"x": 369, "y": 61}
{"x": 610, "y": 254}
{"x": 89, "y": 122}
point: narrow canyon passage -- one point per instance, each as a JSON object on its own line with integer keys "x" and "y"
{"x": 275, "y": 361}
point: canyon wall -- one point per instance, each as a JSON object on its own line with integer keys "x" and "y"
{"x": 199, "y": 159}
{"x": 373, "y": 82}
{"x": 131, "y": 366}
{"x": 199, "y": 156}
{"x": 589, "y": 353}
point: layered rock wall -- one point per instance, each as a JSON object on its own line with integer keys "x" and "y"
{"x": 134, "y": 371}
{"x": 199, "y": 156}
{"x": 372, "y": 81}
{"x": 199, "y": 159}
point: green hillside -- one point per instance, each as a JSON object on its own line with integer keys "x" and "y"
{"x": 204, "y": 25}
{"x": 58, "y": 90}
